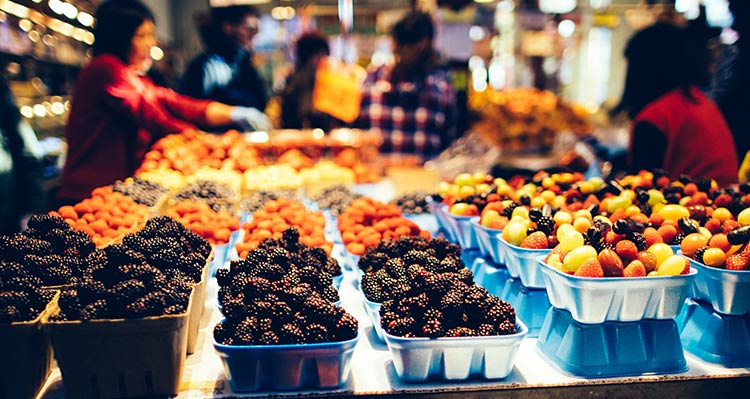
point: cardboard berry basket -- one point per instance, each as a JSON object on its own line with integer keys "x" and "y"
{"x": 27, "y": 358}
{"x": 120, "y": 358}
{"x": 198, "y": 304}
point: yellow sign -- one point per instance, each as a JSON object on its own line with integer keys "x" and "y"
{"x": 337, "y": 90}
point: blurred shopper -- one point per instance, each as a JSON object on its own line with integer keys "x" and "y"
{"x": 296, "y": 100}
{"x": 675, "y": 127}
{"x": 117, "y": 112}
{"x": 731, "y": 84}
{"x": 412, "y": 102}
{"x": 224, "y": 72}
{"x": 21, "y": 178}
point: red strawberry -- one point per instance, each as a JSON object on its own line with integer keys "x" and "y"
{"x": 701, "y": 198}
{"x": 690, "y": 189}
{"x": 612, "y": 238}
{"x": 729, "y": 225}
{"x": 535, "y": 240}
{"x": 627, "y": 250}
{"x": 739, "y": 260}
{"x": 667, "y": 232}
{"x": 652, "y": 236}
{"x": 722, "y": 201}
{"x": 713, "y": 225}
{"x": 590, "y": 268}
{"x": 662, "y": 182}
{"x": 634, "y": 269}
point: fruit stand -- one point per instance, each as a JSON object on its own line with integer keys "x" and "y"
{"x": 547, "y": 286}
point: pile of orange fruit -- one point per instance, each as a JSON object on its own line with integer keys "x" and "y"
{"x": 215, "y": 227}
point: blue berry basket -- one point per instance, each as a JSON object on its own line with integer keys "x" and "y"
{"x": 522, "y": 264}
{"x": 623, "y": 299}
{"x": 425, "y": 221}
{"x": 332, "y": 232}
{"x": 348, "y": 261}
{"x": 490, "y": 276}
{"x": 253, "y": 368}
{"x": 444, "y": 223}
{"x": 373, "y": 310}
{"x": 467, "y": 238}
{"x": 611, "y": 349}
{"x": 714, "y": 337}
{"x": 728, "y": 291}
{"x": 223, "y": 253}
{"x": 489, "y": 241}
{"x": 531, "y": 305}
{"x": 455, "y": 359}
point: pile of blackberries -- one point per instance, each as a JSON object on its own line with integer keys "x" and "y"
{"x": 283, "y": 264}
{"x": 335, "y": 198}
{"x": 281, "y": 294}
{"x": 412, "y": 203}
{"x": 48, "y": 253}
{"x": 119, "y": 283}
{"x": 375, "y": 257}
{"x": 20, "y": 301}
{"x": 217, "y": 195}
{"x": 257, "y": 200}
{"x": 141, "y": 191}
{"x": 170, "y": 247}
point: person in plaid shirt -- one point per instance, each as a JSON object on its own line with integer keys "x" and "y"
{"x": 412, "y": 103}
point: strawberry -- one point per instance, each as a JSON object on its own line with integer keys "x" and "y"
{"x": 690, "y": 189}
{"x": 729, "y": 225}
{"x": 655, "y": 219}
{"x": 634, "y": 269}
{"x": 590, "y": 268}
{"x": 612, "y": 238}
{"x": 739, "y": 260}
{"x": 627, "y": 250}
{"x": 667, "y": 233}
{"x": 535, "y": 240}
{"x": 722, "y": 201}
{"x": 662, "y": 182}
{"x": 713, "y": 225}
{"x": 652, "y": 236}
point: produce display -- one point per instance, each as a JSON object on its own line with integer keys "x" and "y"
{"x": 105, "y": 216}
{"x": 327, "y": 172}
{"x": 215, "y": 227}
{"x": 412, "y": 203}
{"x": 366, "y": 222}
{"x": 274, "y": 177}
{"x": 141, "y": 191}
{"x": 169, "y": 178}
{"x": 275, "y": 217}
{"x": 222, "y": 176}
{"x": 335, "y": 198}
{"x": 257, "y": 199}
{"x": 218, "y": 196}
{"x": 526, "y": 117}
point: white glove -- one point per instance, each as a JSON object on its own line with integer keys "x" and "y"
{"x": 251, "y": 119}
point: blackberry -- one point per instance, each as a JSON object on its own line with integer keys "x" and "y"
{"x": 299, "y": 294}
{"x": 10, "y": 314}
{"x": 433, "y": 314}
{"x": 45, "y": 222}
{"x": 414, "y": 258}
{"x": 140, "y": 272}
{"x": 500, "y": 313}
{"x": 506, "y": 328}
{"x": 269, "y": 271}
{"x": 98, "y": 309}
{"x": 118, "y": 254}
{"x": 281, "y": 312}
{"x": 698, "y": 256}
{"x": 486, "y": 330}
{"x": 223, "y": 277}
{"x": 546, "y": 224}
{"x": 127, "y": 291}
{"x": 640, "y": 242}
{"x": 433, "y": 328}
{"x": 415, "y": 305}
{"x": 175, "y": 309}
{"x": 315, "y": 333}
{"x": 461, "y": 332}
{"x": 68, "y": 301}
{"x": 401, "y": 326}
{"x": 333, "y": 267}
{"x": 221, "y": 332}
{"x": 290, "y": 333}
{"x": 330, "y": 294}
{"x": 151, "y": 304}
{"x": 290, "y": 236}
{"x": 508, "y": 211}
{"x": 466, "y": 276}
{"x": 346, "y": 328}
{"x": 677, "y": 240}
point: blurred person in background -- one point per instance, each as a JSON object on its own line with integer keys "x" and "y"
{"x": 224, "y": 72}
{"x": 411, "y": 103}
{"x": 731, "y": 84}
{"x": 21, "y": 177}
{"x": 296, "y": 100}
{"x": 674, "y": 126}
{"x": 117, "y": 112}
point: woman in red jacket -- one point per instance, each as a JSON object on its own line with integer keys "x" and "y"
{"x": 675, "y": 127}
{"x": 117, "y": 112}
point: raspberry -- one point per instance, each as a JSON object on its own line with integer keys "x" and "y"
{"x": 739, "y": 260}
{"x": 713, "y": 225}
{"x": 626, "y": 249}
{"x": 590, "y": 268}
{"x": 537, "y": 240}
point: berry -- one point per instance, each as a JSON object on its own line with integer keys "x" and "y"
{"x": 634, "y": 269}
{"x": 652, "y": 236}
{"x": 536, "y": 240}
{"x": 626, "y": 249}
{"x": 590, "y": 268}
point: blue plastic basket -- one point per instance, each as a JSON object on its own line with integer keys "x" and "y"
{"x": 332, "y": 232}
{"x": 467, "y": 239}
{"x": 594, "y": 300}
{"x": 728, "y": 291}
{"x": 488, "y": 241}
{"x": 713, "y": 337}
{"x": 492, "y": 277}
{"x": 610, "y": 349}
{"x": 445, "y": 224}
{"x": 455, "y": 359}
{"x": 425, "y": 221}
{"x": 287, "y": 367}
{"x": 522, "y": 264}
{"x": 373, "y": 311}
{"x": 531, "y": 305}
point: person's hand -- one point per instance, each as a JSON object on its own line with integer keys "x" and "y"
{"x": 251, "y": 119}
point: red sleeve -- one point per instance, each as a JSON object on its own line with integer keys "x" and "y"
{"x": 184, "y": 107}
{"x": 136, "y": 98}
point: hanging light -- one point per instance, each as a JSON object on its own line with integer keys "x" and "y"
{"x": 557, "y": 6}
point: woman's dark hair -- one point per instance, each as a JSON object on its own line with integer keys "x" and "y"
{"x": 116, "y": 23}
{"x": 309, "y": 45}
{"x": 211, "y": 31}
{"x": 660, "y": 59}
{"x": 414, "y": 27}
